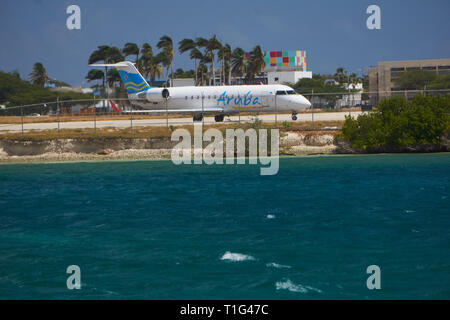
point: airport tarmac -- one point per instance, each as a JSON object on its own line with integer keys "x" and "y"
{"x": 303, "y": 117}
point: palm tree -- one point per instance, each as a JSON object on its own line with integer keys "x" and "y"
{"x": 106, "y": 54}
{"x": 340, "y": 75}
{"x": 100, "y": 55}
{"x": 113, "y": 77}
{"x": 154, "y": 69}
{"x": 166, "y": 44}
{"x": 39, "y": 74}
{"x": 146, "y": 57}
{"x": 95, "y": 74}
{"x": 129, "y": 49}
{"x": 196, "y": 55}
{"x": 190, "y": 45}
{"x": 210, "y": 47}
{"x": 225, "y": 55}
{"x": 256, "y": 63}
{"x": 238, "y": 62}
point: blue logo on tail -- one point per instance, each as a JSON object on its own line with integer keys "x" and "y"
{"x": 133, "y": 82}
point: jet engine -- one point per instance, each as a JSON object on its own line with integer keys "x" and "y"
{"x": 157, "y": 94}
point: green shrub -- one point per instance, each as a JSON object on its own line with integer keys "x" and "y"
{"x": 400, "y": 123}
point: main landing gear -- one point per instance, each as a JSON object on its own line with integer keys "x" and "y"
{"x": 198, "y": 117}
{"x": 294, "y": 116}
{"x": 219, "y": 118}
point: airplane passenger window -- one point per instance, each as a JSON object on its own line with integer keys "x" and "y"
{"x": 209, "y": 97}
{"x": 192, "y": 97}
{"x": 291, "y": 92}
{"x": 198, "y": 97}
{"x": 281, "y": 93}
{"x": 185, "y": 98}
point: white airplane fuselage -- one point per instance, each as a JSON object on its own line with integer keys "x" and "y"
{"x": 222, "y": 99}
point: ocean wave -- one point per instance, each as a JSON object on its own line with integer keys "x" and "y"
{"x": 278, "y": 266}
{"x": 271, "y": 216}
{"x": 236, "y": 257}
{"x": 289, "y": 285}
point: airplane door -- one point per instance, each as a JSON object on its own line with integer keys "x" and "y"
{"x": 269, "y": 100}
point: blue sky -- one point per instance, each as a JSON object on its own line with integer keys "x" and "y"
{"x": 333, "y": 32}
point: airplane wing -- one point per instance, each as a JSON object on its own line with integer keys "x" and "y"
{"x": 156, "y": 111}
{"x": 209, "y": 110}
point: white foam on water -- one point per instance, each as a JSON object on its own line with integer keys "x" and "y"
{"x": 278, "y": 266}
{"x": 289, "y": 285}
{"x": 236, "y": 257}
{"x": 409, "y": 211}
{"x": 271, "y": 216}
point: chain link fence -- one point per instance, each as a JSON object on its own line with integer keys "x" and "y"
{"x": 90, "y": 115}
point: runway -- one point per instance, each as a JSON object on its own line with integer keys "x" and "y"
{"x": 269, "y": 118}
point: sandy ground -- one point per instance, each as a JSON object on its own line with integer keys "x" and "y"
{"x": 304, "y": 117}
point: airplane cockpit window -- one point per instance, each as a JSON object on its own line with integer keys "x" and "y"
{"x": 281, "y": 93}
{"x": 291, "y": 92}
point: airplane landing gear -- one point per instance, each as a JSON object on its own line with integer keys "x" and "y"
{"x": 198, "y": 117}
{"x": 219, "y": 118}
{"x": 294, "y": 117}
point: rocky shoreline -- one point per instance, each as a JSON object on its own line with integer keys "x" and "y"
{"x": 292, "y": 143}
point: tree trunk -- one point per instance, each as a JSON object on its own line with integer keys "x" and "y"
{"x": 229, "y": 71}
{"x": 171, "y": 74}
{"x": 213, "y": 71}
{"x": 195, "y": 68}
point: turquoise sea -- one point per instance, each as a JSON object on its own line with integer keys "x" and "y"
{"x": 153, "y": 230}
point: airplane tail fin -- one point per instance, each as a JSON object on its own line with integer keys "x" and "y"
{"x": 133, "y": 81}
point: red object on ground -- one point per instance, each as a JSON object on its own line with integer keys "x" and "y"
{"x": 114, "y": 107}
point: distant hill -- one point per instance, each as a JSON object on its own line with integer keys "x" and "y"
{"x": 15, "y": 91}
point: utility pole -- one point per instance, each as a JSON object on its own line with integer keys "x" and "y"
{"x": 58, "y": 110}
{"x": 167, "y": 116}
{"x": 312, "y": 109}
{"x": 276, "y": 111}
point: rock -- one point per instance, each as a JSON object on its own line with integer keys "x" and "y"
{"x": 105, "y": 152}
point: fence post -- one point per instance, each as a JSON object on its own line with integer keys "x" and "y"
{"x": 21, "y": 113}
{"x": 58, "y": 111}
{"x": 167, "y": 117}
{"x": 312, "y": 108}
{"x": 131, "y": 118}
{"x": 95, "y": 119}
{"x": 276, "y": 111}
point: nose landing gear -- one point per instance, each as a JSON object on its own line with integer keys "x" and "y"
{"x": 294, "y": 116}
{"x": 219, "y": 118}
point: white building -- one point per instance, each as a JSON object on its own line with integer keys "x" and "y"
{"x": 279, "y": 77}
{"x": 183, "y": 82}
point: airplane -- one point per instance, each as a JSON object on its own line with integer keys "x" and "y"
{"x": 200, "y": 100}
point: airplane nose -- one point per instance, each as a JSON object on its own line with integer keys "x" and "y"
{"x": 306, "y": 102}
